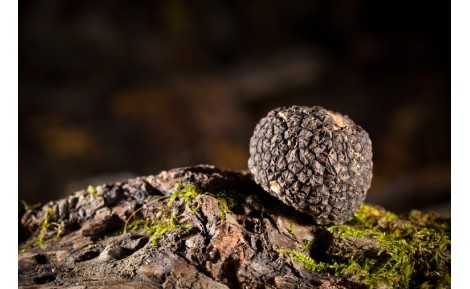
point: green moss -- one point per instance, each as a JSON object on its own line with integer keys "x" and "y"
{"x": 189, "y": 194}
{"x": 47, "y": 228}
{"x": 291, "y": 225}
{"x": 164, "y": 220}
{"x": 27, "y": 207}
{"x": 223, "y": 208}
{"x": 43, "y": 228}
{"x": 160, "y": 223}
{"x": 308, "y": 262}
{"x": 413, "y": 254}
{"x": 92, "y": 191}
{"x": 312, "y": 265}
{"x": 156, "y": 231}
{"x": 307, "y": 245}
{"x": 157, "y": 227}
{"x": 225, "y": 204}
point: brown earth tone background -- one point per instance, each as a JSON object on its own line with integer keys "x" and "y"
{"x": 115, "y": 89}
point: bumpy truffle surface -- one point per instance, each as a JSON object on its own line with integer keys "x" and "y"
{"x": 313, "y": 159}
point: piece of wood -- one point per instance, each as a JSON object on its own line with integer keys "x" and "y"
{"x": 229, "y": 234}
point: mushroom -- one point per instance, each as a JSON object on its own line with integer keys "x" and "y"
{"x": 315, "y": 160}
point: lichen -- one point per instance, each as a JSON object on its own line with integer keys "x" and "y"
{"x": 413, "y": 253}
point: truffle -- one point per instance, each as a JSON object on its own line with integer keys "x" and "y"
{"x": 315, "y": 160}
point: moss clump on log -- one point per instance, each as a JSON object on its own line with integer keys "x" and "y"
{"x": 166, "y": 217}
{"x": 393, "y": 252}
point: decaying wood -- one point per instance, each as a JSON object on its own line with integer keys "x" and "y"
{"x": 235, "y": 250}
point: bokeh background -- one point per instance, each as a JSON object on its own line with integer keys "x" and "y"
{"x": 118, "y": 88}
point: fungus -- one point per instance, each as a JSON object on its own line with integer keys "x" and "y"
{"x": 313, "y": 159}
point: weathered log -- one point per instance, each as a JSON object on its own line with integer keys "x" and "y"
{"x": 200, "y": 227}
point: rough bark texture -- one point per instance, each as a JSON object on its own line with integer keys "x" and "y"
{"x": 212, "y": 245}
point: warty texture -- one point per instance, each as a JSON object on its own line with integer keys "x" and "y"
{"x": 313, "y": 159}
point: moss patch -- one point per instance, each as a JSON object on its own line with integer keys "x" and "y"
{"x": 27, "y": 207}
{"x": 157, "y": 227}
{"x": 165, "y": 219}
{"x": 92, "y": 191}
{"x": 413, "y": 253}
{"x": 47, "y": 228}
{"x": 189, "y": 194}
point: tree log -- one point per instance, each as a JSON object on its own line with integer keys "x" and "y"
{"x": 201, "y": 227}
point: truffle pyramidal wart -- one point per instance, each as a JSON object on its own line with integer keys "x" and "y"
{"x": 313, "y": 159}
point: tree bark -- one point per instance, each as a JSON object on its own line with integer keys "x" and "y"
{"x": 230, "y": 234}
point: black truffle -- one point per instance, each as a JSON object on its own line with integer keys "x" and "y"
{"x": 313, "y": 159}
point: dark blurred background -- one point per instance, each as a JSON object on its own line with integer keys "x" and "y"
{"x": 118, "y": 88}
